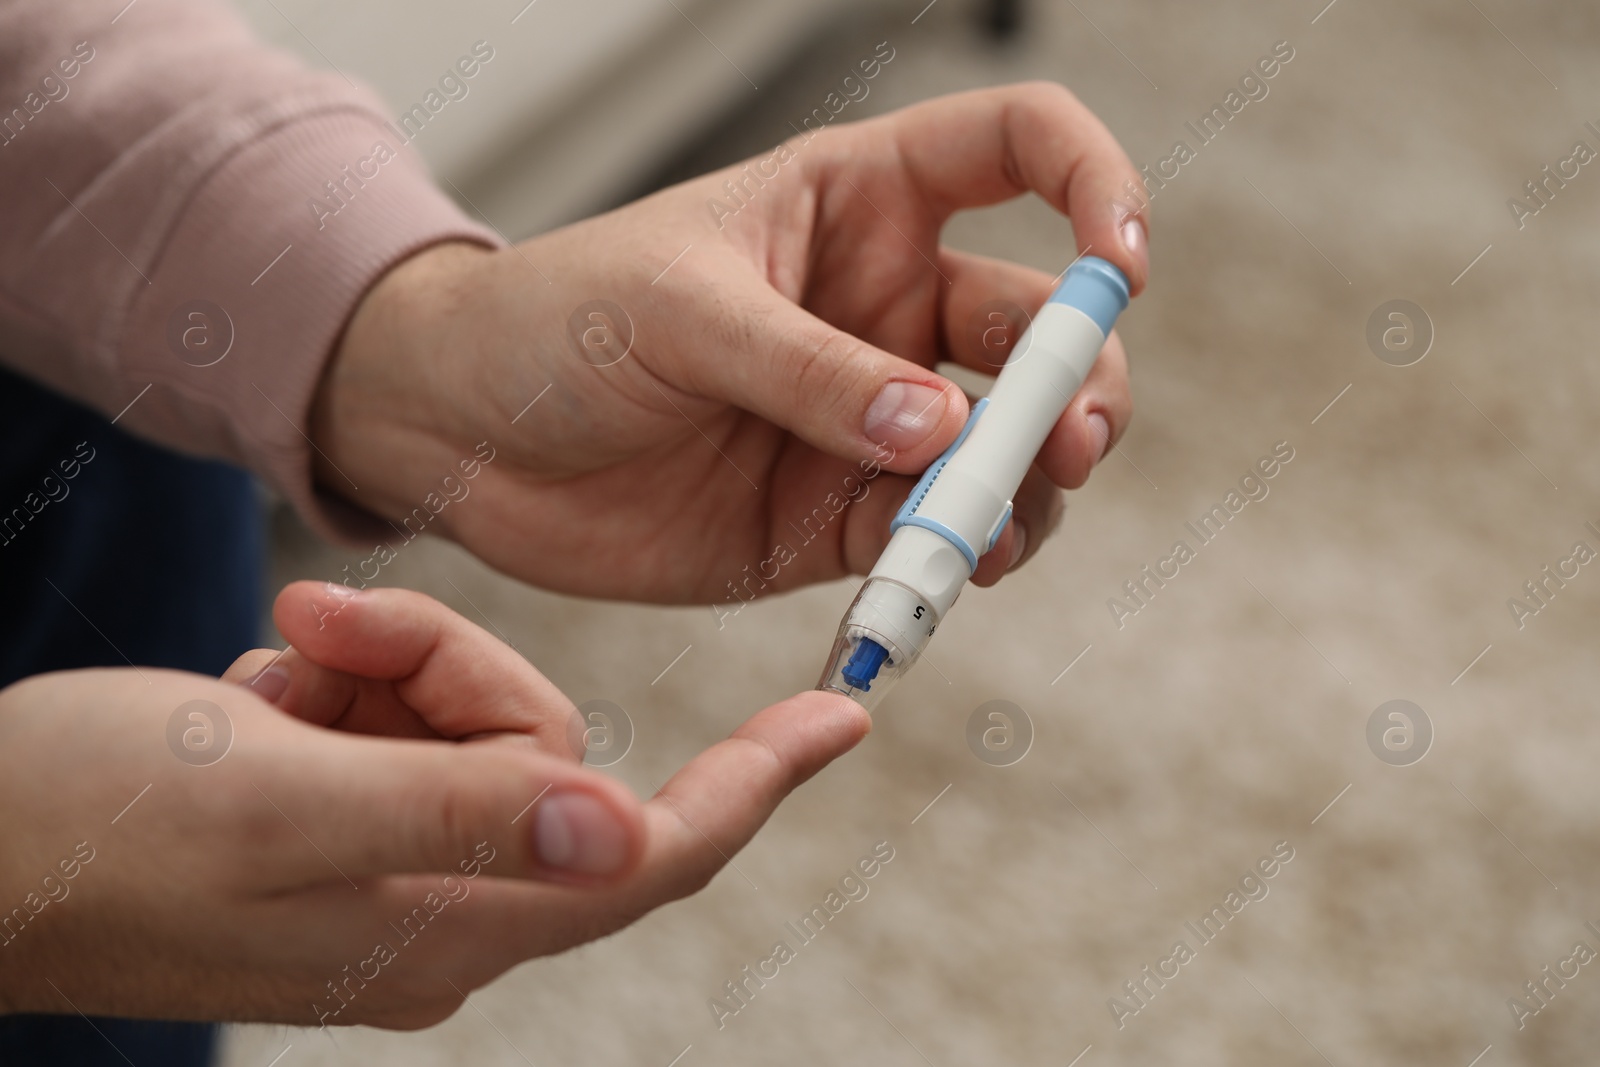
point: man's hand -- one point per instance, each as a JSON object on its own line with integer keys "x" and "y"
{"x": 372, "y": 872}
{"x": 755, "y": 366}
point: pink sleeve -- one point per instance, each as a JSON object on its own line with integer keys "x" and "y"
{"x": 190, "y": 218}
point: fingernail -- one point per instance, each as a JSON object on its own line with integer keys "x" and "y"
{"x": 576, "y": 832}
{"x": 1102, "y": 434}
{"x": 1019, "y": 544}
{"x": 1133, "y": 239}
{"x": 269, "y": 684}
{"x": 343, "y": 592}
{"x": 905, "y": 414}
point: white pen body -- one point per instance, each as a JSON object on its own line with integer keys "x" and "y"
{"x": 972, "y": 494}
{"x": 962, "y": 503}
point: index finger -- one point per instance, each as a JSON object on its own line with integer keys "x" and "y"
{"x": 716, "y": 802}
{"x": 694, "y": 825}
{"x": 989, "y": 145}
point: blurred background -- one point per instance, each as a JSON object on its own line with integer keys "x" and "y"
{"x": 1441, "y": 459}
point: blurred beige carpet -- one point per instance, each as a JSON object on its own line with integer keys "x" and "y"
{"x": 1232, "y": 710}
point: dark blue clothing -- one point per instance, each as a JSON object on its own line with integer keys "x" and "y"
{"x": 161, "y": 552}
{"x": 72, "y": 1041}
{"x": 140, "y": 555}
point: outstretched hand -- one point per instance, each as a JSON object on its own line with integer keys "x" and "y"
{"x": 422, "y": 777}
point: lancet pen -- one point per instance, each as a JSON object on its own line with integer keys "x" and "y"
{"x": 960, "y": 506}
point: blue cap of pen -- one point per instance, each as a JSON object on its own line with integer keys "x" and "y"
{"x": 1096, "y": 288}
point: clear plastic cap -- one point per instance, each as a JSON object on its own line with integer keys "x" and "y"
{"x": 881, "y": 636}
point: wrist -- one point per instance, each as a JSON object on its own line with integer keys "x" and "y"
{"x": 387, "y": 412}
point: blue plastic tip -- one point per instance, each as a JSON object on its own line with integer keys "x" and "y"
{"x": 1096, "y": 288}
{"x": 864, "y": 664}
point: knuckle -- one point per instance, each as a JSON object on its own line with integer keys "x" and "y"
{"x": 825, "y": 366}
{"x": 765, "y": 762}
{"x": 695, "y": 876}
{"x": 446, "y": 826}
{"x": 413, "y": 1012}
{"x": 432, "y": 1013}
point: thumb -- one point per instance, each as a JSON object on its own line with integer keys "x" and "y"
{"x": 833, "y": 390}
{"x": 376, "y": 806}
